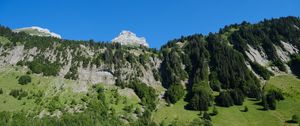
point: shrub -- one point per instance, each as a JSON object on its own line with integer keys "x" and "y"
{"x": 237, "y": 96}
{"x": 246, "y": 109}
{"x": 129, "y": 108}
{"x": 214, "y": 83}
{"x": 18, "y": 93}
{"x": 72, "y": 73}
{"x": 147, "y": 94}
{"x": 269, "y": 100}
{"x": 42, "y": 66}
{"x": 174, "y": 93}
{"x": 295, "y": 119}
{"x": 206, "y": 116}
{"x": 224, "y": 99}
{"x": 295, "y": 65}
{"x": 262, "y": 71}
{"x": 25, "y": 79}
{"x": 201, "y": 98}
{"x": 120, "y": 83}
{"x": 215, "y": 111}
{"x": 1, "y": 91}
{"x": 156, "y": 74}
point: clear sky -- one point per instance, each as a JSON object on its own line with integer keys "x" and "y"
{"x": 156, "y": 20}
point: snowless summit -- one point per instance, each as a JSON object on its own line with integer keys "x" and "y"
{"x": 129, "y": 38}
{"x": 38, "y": 31}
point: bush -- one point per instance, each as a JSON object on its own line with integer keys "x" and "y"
{"x": 72, "y": 73}
{"x": 174, "y": 93}
{"x": 120, "y": 83}
{"x": 206, "y": 116}
{"x": 295, "y": 65}
{"x": 215, "y": 111}
{"x": 156, "y": 75}
{"x": 260, "y": 70}
{"x": 224, "y": 99}
{"x": 237, "y": 96}
{"x": 1, "y": 91}
{"x": 269, "y": 100}
{"x": 145, "y": 93}
{"x": 18, "y": 93}
{"x": 295, "y": 119}
{"x": 214, "y": 83}
{"x": 43, "y": 66}
{"x": 246, "y": 109}
{"x": 280, "y": 65}
{"x": 128, "y": 108}
{"x": 201, "y": 98}
{"x": 25, "y": 79}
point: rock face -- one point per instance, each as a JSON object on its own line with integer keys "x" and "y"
{"x": 91, "y": 73}
{"x": 259, "y": 56}
{"x": 38, "y": 31}
{"x": 129, "y": 38}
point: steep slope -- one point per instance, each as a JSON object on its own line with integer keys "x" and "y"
{"x": 231, "y": 61}
{"x": 220, "y": 69}
{"x": 86, "y": 62}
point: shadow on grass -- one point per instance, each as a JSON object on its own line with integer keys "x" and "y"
{"x": 244, "y": 110}
{"x": 253, "y": 99}
{"x": 291, "y": 121}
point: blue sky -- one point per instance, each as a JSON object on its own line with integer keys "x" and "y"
{"x": 157, "y": 20}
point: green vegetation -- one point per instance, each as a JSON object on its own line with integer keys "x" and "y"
{"x": 171, "y": 70}
{"x": 265, "y": 33}
{"x": 4, "y": 40}
{"x": 232, "y": 72}
{"x": 43, "y": 66}
{"x": 285, "y": 109}
{"x": 295, "y": 119}
{"x": 260, "y": 70}
{"x": 224, "y": 99}
{"x": 25, "y": 79}
{"x": 206, "y": 80}
{"x": 147, "y": 94}
{"x": 175, "y": 114}
{"x": 201, "y": 97}
{"x": 18, "y": 93}
{"x": 174, "y": 93}
{"x": 72, "y": 73}
{"x": 269, "y": 100}
{"x": 246, "y": 109}
{"x": 295, "y": 64}
{"x": 229, "y": 98}
{"x": 103, "y": 103}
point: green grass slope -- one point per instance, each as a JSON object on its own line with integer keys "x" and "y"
{"x": 233, "y": 116}
{"x": 55, "y": 93}
{"x": 175, "y": 114}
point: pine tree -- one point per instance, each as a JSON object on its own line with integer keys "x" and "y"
{"x": 224, "y": 99}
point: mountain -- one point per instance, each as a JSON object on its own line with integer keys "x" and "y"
{"x": 50, "y": 78}
{"x": 129, "y": 38}
{"x": 38, "y": 31}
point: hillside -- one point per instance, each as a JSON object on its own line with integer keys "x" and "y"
{"x": 193, "y": 80}
{"x": 37, "y": 31}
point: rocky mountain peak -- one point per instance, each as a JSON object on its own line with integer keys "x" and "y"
{"x": 129, "y": 38}
{"x": 38, "y": 31}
